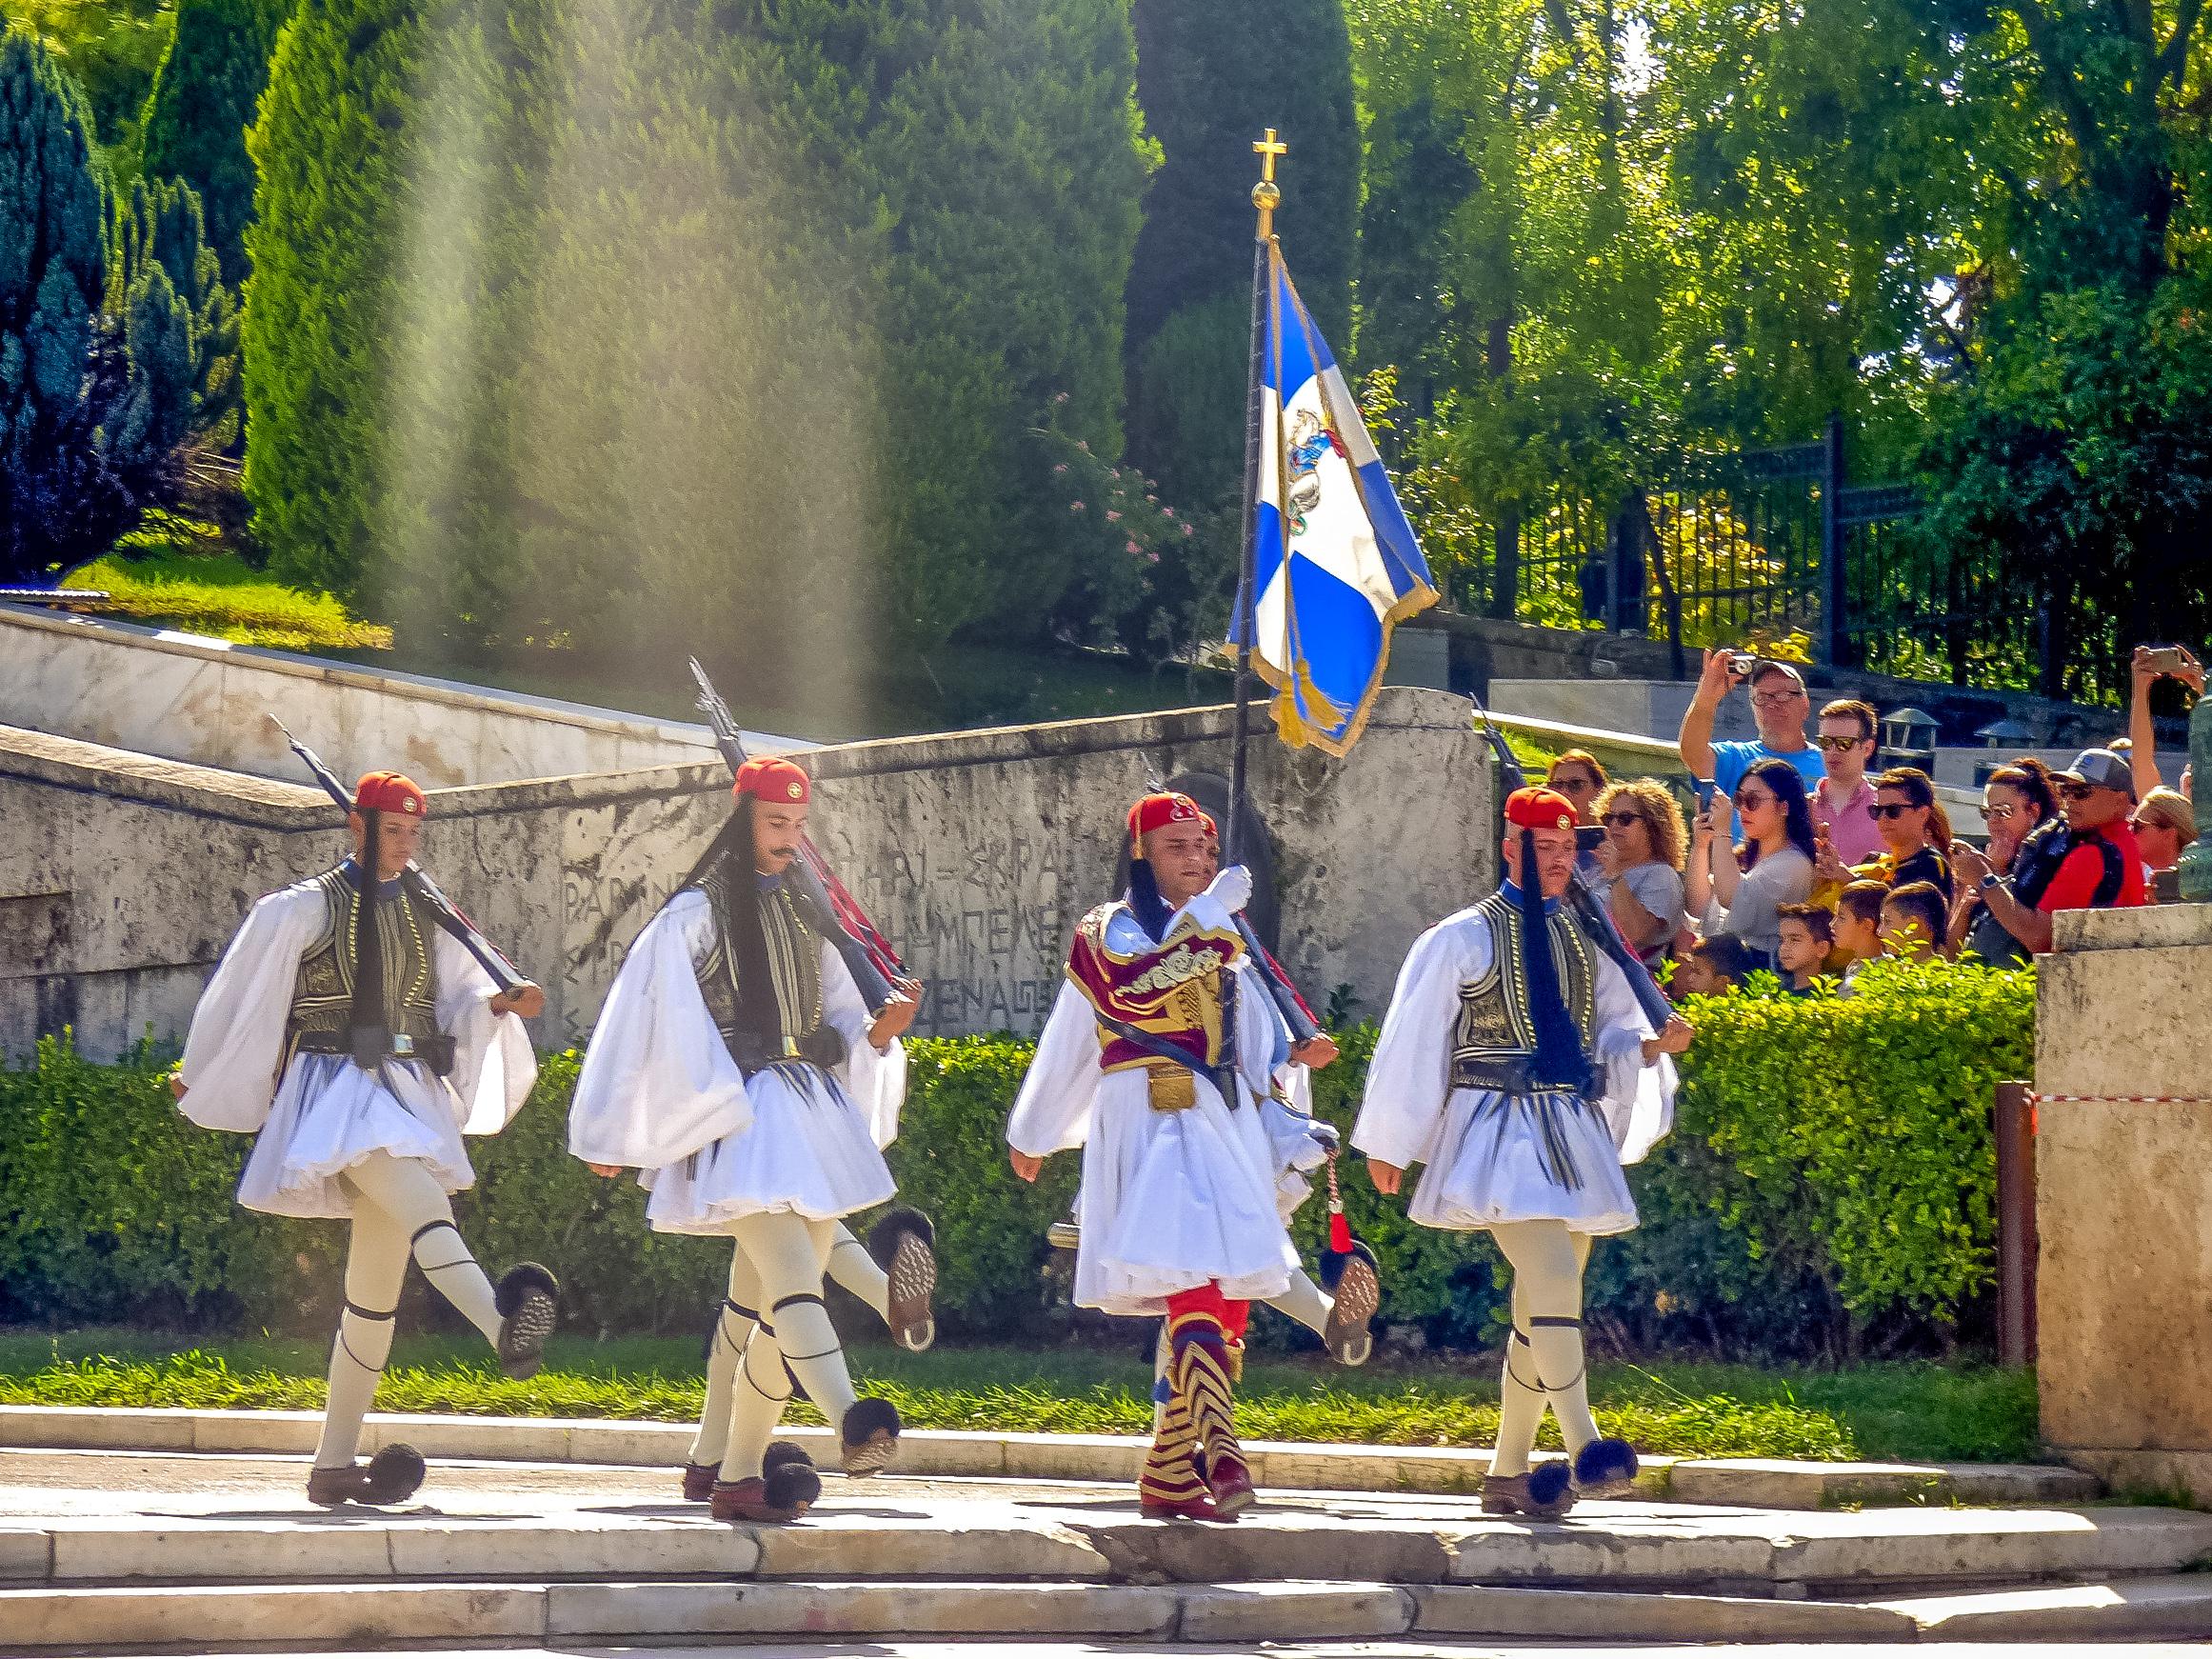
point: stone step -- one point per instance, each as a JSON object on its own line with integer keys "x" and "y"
{"x": 892, "y": 1529}
{"x": 445, "y": 1612}
{"x": 1749, "y": 1482}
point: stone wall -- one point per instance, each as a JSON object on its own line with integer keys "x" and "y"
{"x": 2124, "y": 1197}
{"x": 200, "y": 700}
{"x": 122, "y": 874}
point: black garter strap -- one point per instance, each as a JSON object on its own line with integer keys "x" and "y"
{"x": 745, "y": 1370}
{"x": 360, "y": 1312}
{"x": 740, "y": 1309}
{"x": 800, "y": 1296}
{"x": 1555, "y": 1322}
{"x": 415, "y": 1243}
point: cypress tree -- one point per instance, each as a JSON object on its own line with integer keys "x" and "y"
{"x": 203, "y": 100}
{"x": 1212, "y": 78}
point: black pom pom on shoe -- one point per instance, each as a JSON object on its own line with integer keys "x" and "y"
{"x": 1548, "y": 1484}
{"x": 1605, "y": 1469}
{"x": 784, "y": 1451}
{"x": 394, "y": 1474}
{"x": 790, "y": 1486}
{"x": 893, "y": 1224}
{"x": 871, "y": 1436}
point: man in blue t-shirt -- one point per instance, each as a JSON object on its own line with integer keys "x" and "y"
{"x": 1779, "y": 704}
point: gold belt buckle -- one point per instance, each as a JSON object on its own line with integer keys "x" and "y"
{"x": 1171, "y": 1087}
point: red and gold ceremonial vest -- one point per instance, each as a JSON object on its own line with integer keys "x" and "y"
{"x": 1171, "y": 991}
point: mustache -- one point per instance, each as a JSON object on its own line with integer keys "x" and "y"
{"x": 783, "y": 852}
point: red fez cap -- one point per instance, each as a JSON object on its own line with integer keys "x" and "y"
{"x": 1154, "y": 812}
{"x": 389, "y": 793}
{"x": 772, "y": 778}
{"x": 1539, "y": 809}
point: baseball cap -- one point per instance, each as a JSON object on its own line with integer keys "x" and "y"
{"x": 2101, "y": 768}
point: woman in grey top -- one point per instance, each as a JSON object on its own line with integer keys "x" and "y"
{"x": 1772, "y": 867}
{"x": 1641, "y": 865}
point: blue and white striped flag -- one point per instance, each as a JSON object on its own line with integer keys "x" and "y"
{"x": 1335, "y": 563}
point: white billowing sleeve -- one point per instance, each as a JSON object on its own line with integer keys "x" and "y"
{"x": 1639, "y": 1099}
{"x": 1409, "y": 1078}
{"x": 657, "y": 1082}
{"x": 875, "y": 1079}
{"x": 1052, "y": 1111}
{"x": 494, "y": 1062}
{"x": 236, "y": 1042}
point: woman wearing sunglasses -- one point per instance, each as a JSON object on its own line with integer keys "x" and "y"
{"x": 1772, "y": 867}
{"x": 1916, "y": 834}
{"x": 1641, "y": 865}
{"x": 2020, "y": 804}
{"x": 1577, "y": 775}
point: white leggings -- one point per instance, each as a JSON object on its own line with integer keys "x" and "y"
{"x": 1543, "y": 1356}
{"x": 400, "y": 1212}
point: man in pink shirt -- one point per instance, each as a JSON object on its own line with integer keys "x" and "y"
{"x": 1842, "y": 802}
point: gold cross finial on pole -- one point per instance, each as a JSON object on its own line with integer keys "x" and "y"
{"x": 1267, "y": 194}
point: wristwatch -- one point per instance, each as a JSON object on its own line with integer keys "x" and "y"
{"x": 1990, "y": 879}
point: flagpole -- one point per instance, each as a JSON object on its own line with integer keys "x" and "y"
{"x": 1266, "y": 196}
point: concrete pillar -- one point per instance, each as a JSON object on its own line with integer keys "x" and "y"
{"x": 2123, "y": 1206}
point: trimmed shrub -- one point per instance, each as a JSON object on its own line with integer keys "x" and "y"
{"x": 201, "y": 102}
{"x": 1831, "y": 1173}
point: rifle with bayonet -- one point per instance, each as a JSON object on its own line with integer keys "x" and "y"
{"x": 443, "y": 910}
{"x": 1597, "y": 922}
{"x": 836, "y": 914}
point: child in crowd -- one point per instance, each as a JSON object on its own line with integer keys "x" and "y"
{"x": 1858, "y": 929}
{"x": 1914, "y": 920}
{"x": 1714, "y": 966}
{"x": 1808, "y": 934}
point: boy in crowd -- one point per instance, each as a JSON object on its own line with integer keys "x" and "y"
{"x": 1715, "y": 967}
{"x": 1914, "y": 920}
{"x": 1856, "y": 926}
{"x": 1808, "y": 934}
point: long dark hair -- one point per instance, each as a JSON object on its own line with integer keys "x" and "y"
{"x": 2032, "y": 779}
{"x": 731, "y": 850}
{"x": 1797, "y": 811}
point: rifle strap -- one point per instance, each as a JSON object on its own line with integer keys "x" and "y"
{"x": 1223, "y": 1078}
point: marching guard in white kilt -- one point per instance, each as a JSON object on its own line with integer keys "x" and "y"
{"x": 1154, "y": 1060}
{"x": 1517, "y": 1065}
{"x": 363, "y": 1042}
{"x": 737, "y": 1067}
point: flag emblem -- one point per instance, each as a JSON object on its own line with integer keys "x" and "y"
{"x": 1335, "y": 563}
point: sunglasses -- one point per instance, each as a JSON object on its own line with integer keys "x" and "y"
{"x": 1895, "y": 808}
{"x": 2000, "y": 813}
{"x": 2077, "y": 791}
{"x": 1621, "y": 820}
{"x": 1777, "y": 699}
{"x": 1752, "y": 798}
{"x": 1574, "y": 786}
{"x": 1838, "y": 744}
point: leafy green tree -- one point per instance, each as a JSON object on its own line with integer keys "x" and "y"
{"x": 1212, "y": 78}
{"x": 160, "y": 224}
{"x": 110, "y": 48}
{"x": 203, "y": 100}
{"x": 97, "y": 364}
{"x": 567, "y": 321}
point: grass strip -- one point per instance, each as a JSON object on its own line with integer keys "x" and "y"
{"x": 1908, "y": 1411}
{"x": 219, "y": 595}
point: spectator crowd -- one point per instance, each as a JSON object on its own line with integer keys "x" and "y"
{"x": 1804, "y": 860}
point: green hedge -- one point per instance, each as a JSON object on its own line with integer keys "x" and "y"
{"x": 1828, "y": 1190}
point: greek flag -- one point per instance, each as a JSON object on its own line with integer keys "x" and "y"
{"x": 1335, "y": 564}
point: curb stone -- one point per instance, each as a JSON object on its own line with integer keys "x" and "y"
{"x": 1750, "y": 1482}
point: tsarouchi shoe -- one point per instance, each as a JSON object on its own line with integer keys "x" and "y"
{"x": 699, "y": 1479}
{"x": 527, "y": 1297}
{"x": 902, "y": 1244}
{"x": 1605, "y": 1469}
{"x": 392, "y": 1476}
{"x": 1181, "y": 1509}
{"x": 1544, "y": 1493}
{"x": 1358, "y": 1292}
{"x": 783, "y": 1496}
{"x": 868, "y": 1438}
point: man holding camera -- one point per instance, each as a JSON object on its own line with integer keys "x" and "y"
{"x": 1780, "y": 705}
{"x": 363, "y": 1041}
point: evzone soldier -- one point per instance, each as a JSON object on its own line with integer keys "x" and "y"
{"x": 736, "y": 1064}
{"x": 1518, "y": 1065}
{"x": 363, "y": 1042}
{"x": 1155, "y": 1056}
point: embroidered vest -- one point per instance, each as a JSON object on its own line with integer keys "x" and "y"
{"x": 1170, "y": 992}
{"x": 322, "y": 1005}
{"x": 1494, "y": 1038}
{"x": 794, "y": 971}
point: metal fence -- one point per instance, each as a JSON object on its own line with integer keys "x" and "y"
{"x": 1780, "y": 546}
